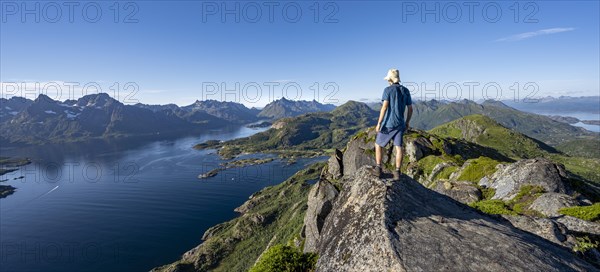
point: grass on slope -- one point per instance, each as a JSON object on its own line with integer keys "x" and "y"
{"x": 582, "y": 147}
{"x": 519, "y": 205}
{"x": 478, "y": 168}
{"x": 533, "y": 125}
{"x": 589, "y": 213}
{"x": 487, "y": 132}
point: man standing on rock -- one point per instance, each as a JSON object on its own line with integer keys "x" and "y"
{"x": 391, "y": 124}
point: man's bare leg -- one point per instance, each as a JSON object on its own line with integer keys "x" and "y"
{"x": 378, "y": 154}
{"x": 399, "y": 157}
{"x": 398, "y": 162}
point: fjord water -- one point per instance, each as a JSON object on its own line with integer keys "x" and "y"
{"x": 121, "y": 206}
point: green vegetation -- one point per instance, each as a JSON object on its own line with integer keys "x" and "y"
{"x": 585, "y": 168}
{"x": 428, "y": 163}
{"x": 587, "y": 147}
{"x": 487, "y": 132}
{"x": 516, "y": 206}
{"x": 446, "y": 172}
{"x": 588, "y": 213}
{"x": 492, "y": 206}
{"x": 487, "y": 193}
{"x": 526, "y": 195}
{"x": 435, "y": 113}
{"x": 477, "y": 169}
{"x": 246, "y": 162}
{"x": 447, "y": 131}
{"x": 286, "y": 259}
{"x": 272, "y": 216}
{"x": 584, "y": 244}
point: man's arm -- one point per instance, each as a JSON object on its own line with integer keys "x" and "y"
{"x": 408, "y": 116}
{"x": 384, "y": 108}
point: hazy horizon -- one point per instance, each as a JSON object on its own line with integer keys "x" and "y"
{"x": 251, "y": 105}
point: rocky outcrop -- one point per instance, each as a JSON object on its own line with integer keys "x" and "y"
{"x": 380, "y": 225}
{"x": 461, "y": 191}
{"x": 543, "y": 227}
{"x": 335, "y": 166}
{"x": 357, "y": 155}
{"x": 509, "y": 179}
{"x": 320, "y": 202}
{"x": 578, "y": 225}
{"x": 549, "y": 203}
{"x": 417, "y": 148}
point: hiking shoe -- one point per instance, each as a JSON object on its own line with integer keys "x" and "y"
{"x": 377, "y": 171}
{"x": 396, "y": 174}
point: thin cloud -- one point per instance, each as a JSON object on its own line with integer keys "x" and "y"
{"x": 527, "y": 35}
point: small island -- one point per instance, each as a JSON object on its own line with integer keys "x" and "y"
{"x": 233, "y": 164}
{"x": 8, "y": 165}
{"x": 263, "y": 124}
{"x": 591, "y": 122}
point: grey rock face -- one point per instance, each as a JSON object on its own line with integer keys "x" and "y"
{"x": 541, "y": 172}
{"x": 417, "y": 148}
{"x": 461, "y": 191}
{"x": 578, "y": 225}
{"x": 320, "y": 202}
{"x": 356, "y": 156}
{"x": 549, "y": 203}
{"x": 379, "y": 225}
{"x": 543, "y": 227}
{"x": 335, "y": 165}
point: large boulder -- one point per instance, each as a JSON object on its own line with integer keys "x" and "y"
{"x": 359, "y": 151}
{"x": 320, "y": 202}
{"x": 381, "y": 225}
{"x": 335, "y": 166}
{"x": 549, "y": 203}
{"x": 509, "y": 179}
{"x": 543, "y": 227}
{"x": 418, "y": 147}
{"x": 575, "y": 224}
{"x": 461, "y": 191}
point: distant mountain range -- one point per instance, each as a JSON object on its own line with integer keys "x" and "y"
{"x": 318, "y": 131}
{"x": 288, "y": 108}
{"x": 46, "y": 120}
{"x": 587, "y": 104}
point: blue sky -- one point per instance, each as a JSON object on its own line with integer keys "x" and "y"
{"x": 180, "y": 51}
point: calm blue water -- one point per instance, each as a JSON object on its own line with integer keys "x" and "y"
{"x": 126, "y": 206}
{"x": 578, "y": 115}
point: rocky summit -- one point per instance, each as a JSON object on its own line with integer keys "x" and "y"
{"x": 384, "y": 225}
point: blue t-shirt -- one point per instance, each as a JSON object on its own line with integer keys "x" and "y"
{"x": 399, "y": 98}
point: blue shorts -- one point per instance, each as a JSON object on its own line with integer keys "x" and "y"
{"x": 385, "y": 136}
